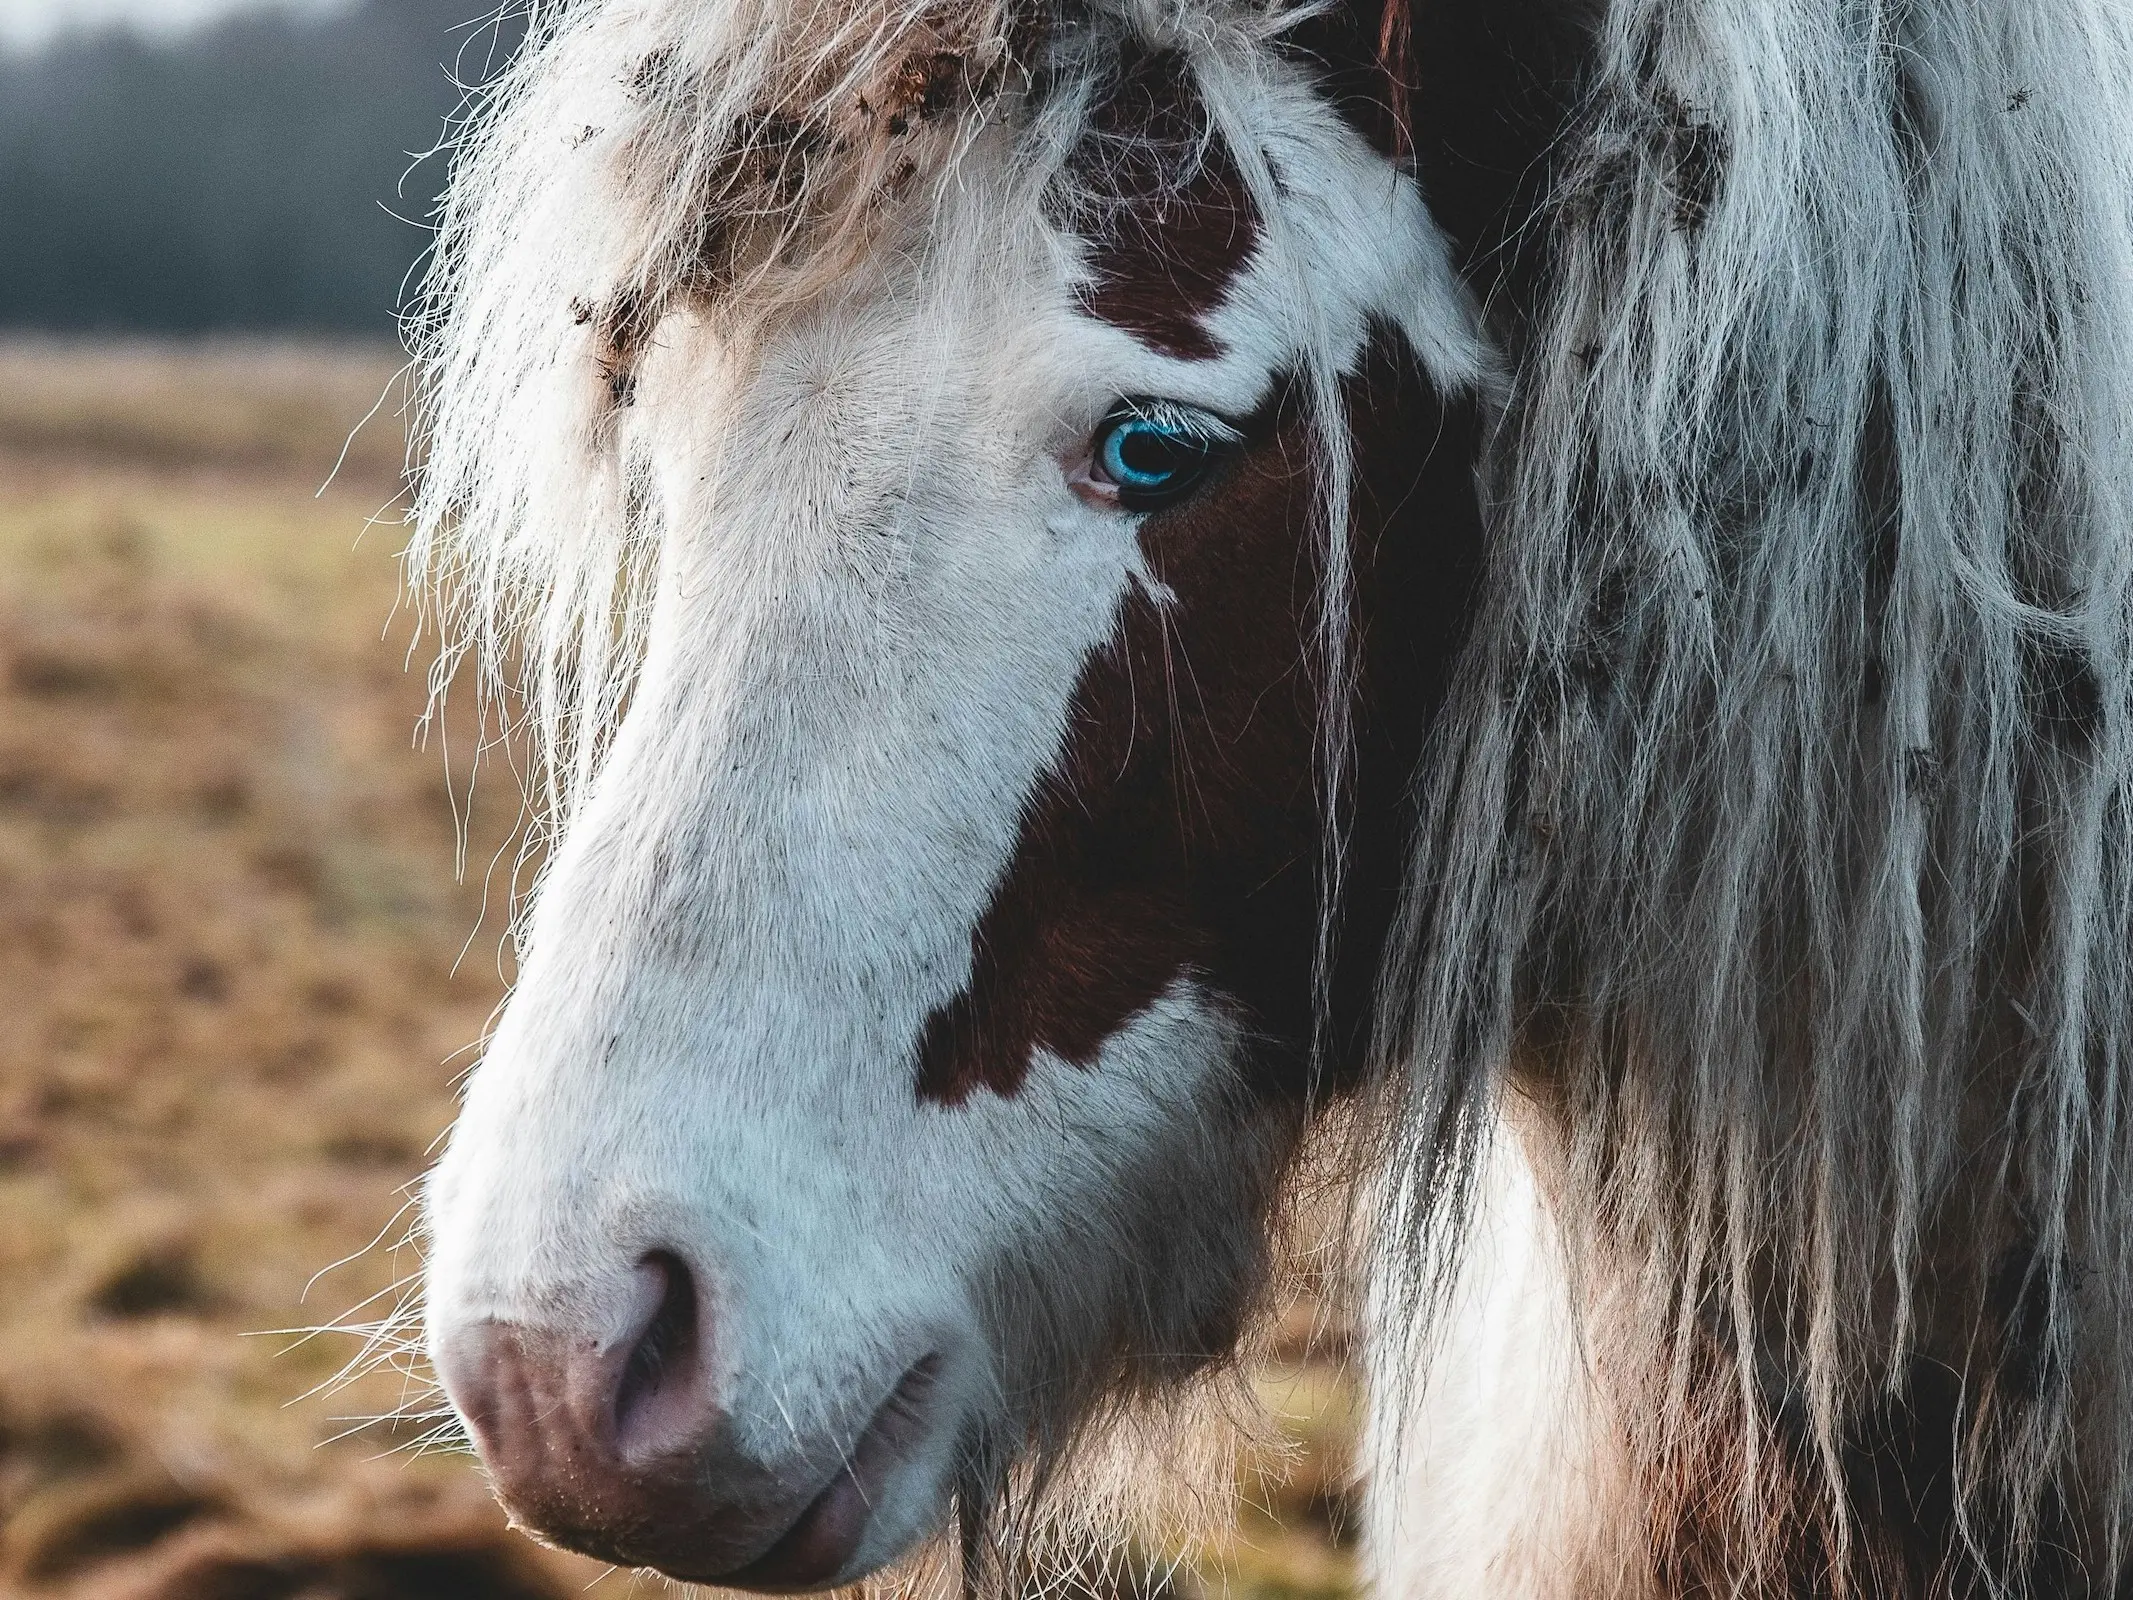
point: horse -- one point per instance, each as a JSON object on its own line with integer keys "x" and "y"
{"x": 1116, "y": 603}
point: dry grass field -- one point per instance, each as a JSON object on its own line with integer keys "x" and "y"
{"x": 238, "y": 974}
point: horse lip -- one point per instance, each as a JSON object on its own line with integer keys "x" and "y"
{"x": 818, "y": 1542}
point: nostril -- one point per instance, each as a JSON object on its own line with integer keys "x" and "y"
{"x": 660, "y": 1394}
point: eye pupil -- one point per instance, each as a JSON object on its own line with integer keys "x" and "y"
{"x": 1146, "y": 452}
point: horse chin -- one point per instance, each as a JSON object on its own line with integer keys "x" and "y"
{"x": 883, "y": 1499}
{"x": 860, "y": 1522}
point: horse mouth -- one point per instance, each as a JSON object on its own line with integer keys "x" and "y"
{"x": 821, "y": 1542}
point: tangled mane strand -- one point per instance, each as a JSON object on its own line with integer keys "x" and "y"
{"x": 1782, "y": 852}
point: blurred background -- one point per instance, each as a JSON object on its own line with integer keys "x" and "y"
{"x": 240, "y": 966}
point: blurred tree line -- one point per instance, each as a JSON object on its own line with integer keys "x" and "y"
{"x": 261, "y": 173}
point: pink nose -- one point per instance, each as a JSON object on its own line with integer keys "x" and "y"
{"x": 617, "y": 1446}
{"x": 597, "y": 1442}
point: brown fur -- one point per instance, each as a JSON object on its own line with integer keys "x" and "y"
{"x": 1179, "y": 834}
{"x": 1164, "y": 208}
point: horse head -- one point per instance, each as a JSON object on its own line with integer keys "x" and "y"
{"x": 991, "y": 863}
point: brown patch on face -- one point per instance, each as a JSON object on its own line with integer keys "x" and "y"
{"x": 1163, "y": 207}
{"x": 1180, "y": 832}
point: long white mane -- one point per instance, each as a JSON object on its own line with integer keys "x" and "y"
{"x": 1782, "y": 843}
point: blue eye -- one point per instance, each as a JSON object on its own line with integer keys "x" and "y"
{"x": 1155, "y": 452}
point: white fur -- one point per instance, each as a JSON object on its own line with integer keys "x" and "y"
{"x": 1504, "y": 1475}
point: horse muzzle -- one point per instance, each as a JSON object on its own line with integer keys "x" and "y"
{"x": 612, "y": 1442}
